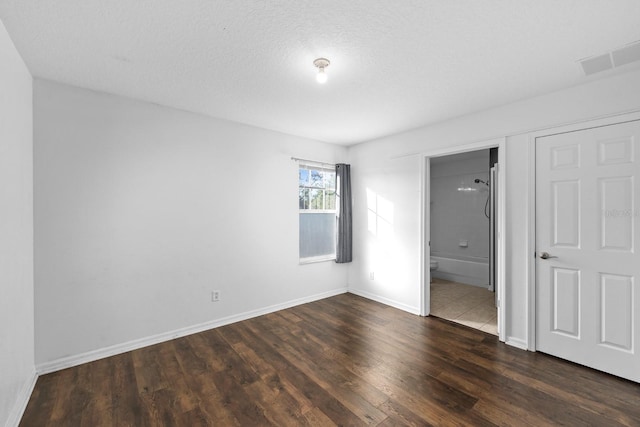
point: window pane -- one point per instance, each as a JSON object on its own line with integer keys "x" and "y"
{"x": 317, "y": 234}
{"x": 317, "y": 179}
{"x": 303, "y": 198}
{"x": 330, "y": 199}
{"x": 303, "y": 177}
{"x": 329, "y": 180}
{"x": 316, "y": 199}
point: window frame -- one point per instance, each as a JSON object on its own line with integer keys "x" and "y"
{"x": 324, "y": 167}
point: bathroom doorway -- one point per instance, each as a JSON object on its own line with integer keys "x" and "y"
{"x": 462, "y": 260}
{"x": 461, "y": 211}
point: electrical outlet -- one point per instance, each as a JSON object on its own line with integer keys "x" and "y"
{"x": 372, "y": 275}
{"x": 215, "y": 296}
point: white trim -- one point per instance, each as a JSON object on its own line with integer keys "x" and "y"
{"x": 386, "y": 301}
{"x": 479, "y": 282}
{"x": 576, "y": 126}
{"x": 588, "y": 123}
{"x": 465, "y": 148}
{"x": 531, "y": 249}
{"x": 19, "y": 406}
{"x": 516, "y": 342}
{"x": 501, "y": 259}
{"x": 315, "y": 211}
{"x": 316, "y": 259}
{"x": 425, "y": 232}
{"x": 90, "y": 356}
{"x": 424, "y": 243}
{"x": 314, "y": 163}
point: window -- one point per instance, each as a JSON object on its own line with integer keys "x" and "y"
{"x": 317, "y": 204}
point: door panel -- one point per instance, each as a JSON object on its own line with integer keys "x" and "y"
{"x": 616, "y": 311}
{"x": 588, "y": 220}
{"x": 566, "y": 301}
{"x": 616, "y": 198}
{"x": 566, "y": 213}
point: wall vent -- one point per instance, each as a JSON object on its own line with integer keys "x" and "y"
{"x": 616, "y": 58}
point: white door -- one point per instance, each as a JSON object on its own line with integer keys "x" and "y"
{"x": 588, "y": 223}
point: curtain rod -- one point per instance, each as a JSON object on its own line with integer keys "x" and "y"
{"x": 297, "y": 159}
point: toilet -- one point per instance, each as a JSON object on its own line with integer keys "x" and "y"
{"x": 433, "y": 265}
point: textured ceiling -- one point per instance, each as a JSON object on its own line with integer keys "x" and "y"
{"x": 395, "y": 65}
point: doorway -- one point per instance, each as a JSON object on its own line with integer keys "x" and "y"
{"x": 465, "y": 289}
{"x": 462, "y": 262}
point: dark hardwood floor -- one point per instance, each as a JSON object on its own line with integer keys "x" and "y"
{"x": 340, "y": 361}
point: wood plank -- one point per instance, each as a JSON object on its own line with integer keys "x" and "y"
{"x": 344, "y": 360}
{"x": 126, "y": 404}
{"x": 332, "y": 377}
{"x": 40, "y": 406}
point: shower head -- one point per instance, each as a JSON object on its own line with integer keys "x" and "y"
{"x": 477, "y": 181}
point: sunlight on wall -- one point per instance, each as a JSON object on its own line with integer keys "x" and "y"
{"x": 383, "y": 244}
{"x": 380, "y": 216}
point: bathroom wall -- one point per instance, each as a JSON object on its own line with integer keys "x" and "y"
{"x": 459, "y": 227}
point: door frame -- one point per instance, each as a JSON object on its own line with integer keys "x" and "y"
{"x": 425, "y": 223}
{"x": 531, "y": 264}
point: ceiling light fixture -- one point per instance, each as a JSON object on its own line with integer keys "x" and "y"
{"x": 321, "y": 63}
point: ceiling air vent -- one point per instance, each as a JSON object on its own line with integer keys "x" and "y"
{"x": 627, "y": 54}
{"x": 596, "y": 64}
{"x": 616, "y": 58}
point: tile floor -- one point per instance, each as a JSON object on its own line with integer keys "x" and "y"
{"x": 472, "y": 306}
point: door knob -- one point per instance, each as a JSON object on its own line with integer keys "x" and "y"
{"x": 545, "y": 255}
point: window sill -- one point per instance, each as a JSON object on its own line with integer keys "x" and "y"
{"x": 313, "y": 260}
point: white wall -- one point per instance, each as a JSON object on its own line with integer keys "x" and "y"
{"x": 142, "y": 210}
{"x": 391, "y": 167}
{"x": 17, "y": 372}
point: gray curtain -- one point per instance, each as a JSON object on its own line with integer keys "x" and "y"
{"x": 343, "y": 202}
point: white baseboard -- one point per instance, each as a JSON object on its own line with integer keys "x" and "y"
{"x": 480, "y": 282}
{"x": 385, "y": 301}
{"x": 90, "y": 356}
{"x": 22, "y": 400}
{"x": 516, "y": 342}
